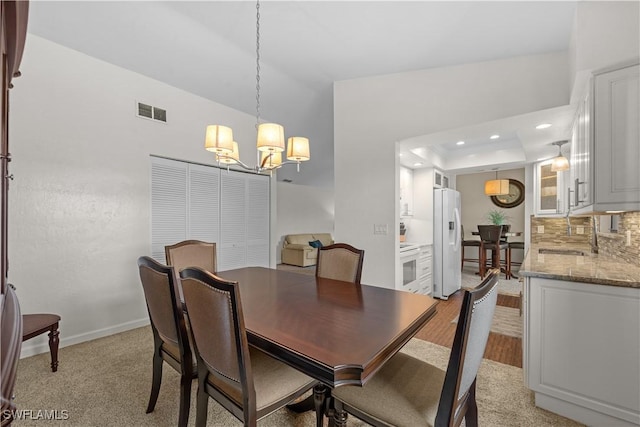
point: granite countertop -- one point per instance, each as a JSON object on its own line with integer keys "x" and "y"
{"x": 589, "y": 268}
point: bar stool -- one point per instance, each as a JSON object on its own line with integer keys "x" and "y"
{"x": 515, "y": 245}
{"x": 490, "y": 235}
{"x": 36, "y": 324}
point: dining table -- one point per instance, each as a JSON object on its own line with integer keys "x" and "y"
{"x": 339, "y": 333}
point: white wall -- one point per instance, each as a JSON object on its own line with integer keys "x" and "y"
{"x": 303, "y": 209}
{"x": 370, "y": 114}
{"x": 80, "y": 201}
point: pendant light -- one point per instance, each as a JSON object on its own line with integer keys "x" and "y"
{"x": 559, "y": 163}
{"x": 496, "y": 187}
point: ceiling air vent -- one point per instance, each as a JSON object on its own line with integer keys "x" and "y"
{"x": 147, "y": 111}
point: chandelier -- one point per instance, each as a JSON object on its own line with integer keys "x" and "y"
{"x": 270, "y": 136}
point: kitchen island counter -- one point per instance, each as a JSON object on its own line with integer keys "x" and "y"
{"x": 560, "y": 262}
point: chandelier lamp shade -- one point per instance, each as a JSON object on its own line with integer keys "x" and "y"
{"x": 559, "y": 163}
{"x": 270, "y": 136}
{"x": 219, "y": 139}
{"x": 496, "y": 187}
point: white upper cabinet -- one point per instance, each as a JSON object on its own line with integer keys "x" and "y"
{"x": 551, "y": 191}
{"x": 406, "y": 191}
{"x": 606, "y": 144}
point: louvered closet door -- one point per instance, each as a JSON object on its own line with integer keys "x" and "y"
{"x": 229, "y": 208}
{"x": 168, "y": 205}
{"x": 233, "y": 212}
{"x": 204, "y": 206}
{"x": 257, "y": 220}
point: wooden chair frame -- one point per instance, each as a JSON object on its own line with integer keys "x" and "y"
{"x": 171, "y": 249}
{"x": 451, "y": 410}
{"x": 247, "y": 412}
{"x": 185, "y": 365}
{"x": 359, "y": 252}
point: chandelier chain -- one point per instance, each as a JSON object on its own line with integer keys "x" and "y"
{"x": 257, "y": 64}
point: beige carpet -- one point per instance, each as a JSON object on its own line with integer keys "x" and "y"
{"x": 506, "y": 321}
{"x": 106, "y": 382}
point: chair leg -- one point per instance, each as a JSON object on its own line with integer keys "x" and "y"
{"x": 462, "y": 258}
{"x": 155, "y": 383}
{"x": 471, "y": 417}
{"x": 54, "y": 343}
{"x": 508, "y": 263}
{"x": 185, "y": 399}
{"x": 202, "y": 400}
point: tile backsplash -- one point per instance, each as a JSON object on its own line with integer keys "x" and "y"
{"x": 612, "y": 244}
{"x": 554, "y": 230}
{"x": 615, "y": 244}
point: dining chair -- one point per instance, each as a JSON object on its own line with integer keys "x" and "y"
{"x": 340, "y": 261}
{"x": 408, "y": 392}
{"x": 468, "y": 244}
{"x": 515, "y": 245}
{"x": 170, "y": 334}
{"x": 34, "y": 324}
{"x": 490, "y": 236}
{"x": 244, "y": 380}
{"x": 191, "y": 253}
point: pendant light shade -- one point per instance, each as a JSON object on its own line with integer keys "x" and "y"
{"x": 270, "y": 160}
{"x": 298, "y": 149}
{"x": 218, "y": 139}
{"x": 496, "y": 187}
{"x": 231, "y": 158}
{"x": 271, "y": 137}
{"x": 559, "y": 163}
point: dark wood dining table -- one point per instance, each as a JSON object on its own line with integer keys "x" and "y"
{"x": 337, "y": 332}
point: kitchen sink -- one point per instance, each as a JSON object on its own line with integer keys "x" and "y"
{"x": 561, "y": 251}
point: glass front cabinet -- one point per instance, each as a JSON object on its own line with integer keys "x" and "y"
{"x": 551, "y": 191}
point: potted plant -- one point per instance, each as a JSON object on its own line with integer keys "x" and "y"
{"x": 497, "y": 217}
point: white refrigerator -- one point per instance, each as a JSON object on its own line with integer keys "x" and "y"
{"x": 446, "y": 242}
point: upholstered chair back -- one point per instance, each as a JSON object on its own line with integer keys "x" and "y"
{"x": 340, "y": 261}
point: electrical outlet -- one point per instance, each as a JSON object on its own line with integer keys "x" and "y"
{"x": 380, "y": 229}
{"x": 541, "y": 229}
{"x": 579, "y": 230}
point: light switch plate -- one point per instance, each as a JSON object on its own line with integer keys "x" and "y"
{"x": 380, "y": 229}
{"x": 541, "y": 229}
{"x": 579, "y": 230}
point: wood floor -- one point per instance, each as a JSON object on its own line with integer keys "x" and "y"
{"x": 501, "y": 348}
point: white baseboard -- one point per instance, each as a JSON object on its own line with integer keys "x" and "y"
{"x": 43, "y": 347}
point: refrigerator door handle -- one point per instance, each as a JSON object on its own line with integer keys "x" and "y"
{"x": 458, "y": 241}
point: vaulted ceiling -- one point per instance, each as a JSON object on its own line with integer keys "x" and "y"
{"x": 208, "y": 48}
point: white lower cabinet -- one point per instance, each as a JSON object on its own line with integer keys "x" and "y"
{"x": 425, "y": 267}
{"x": 582, "y": 350}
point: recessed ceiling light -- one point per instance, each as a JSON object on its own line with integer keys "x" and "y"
{"x": 494, "y": 136}
{"x": 417, "y": 164}
{"x": 543, "y": 126}
{"x": 460, "y": 143}
{"x": 400, "y": 154}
